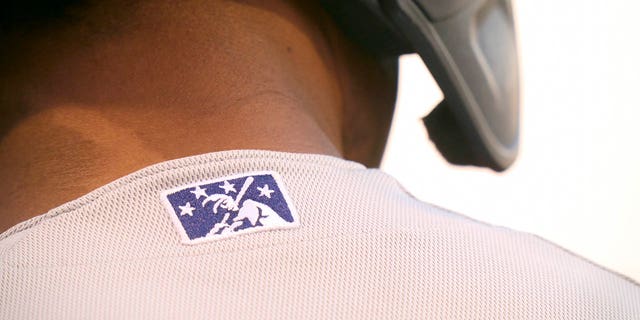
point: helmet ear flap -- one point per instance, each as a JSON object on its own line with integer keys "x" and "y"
{"x": 450, "y": 138}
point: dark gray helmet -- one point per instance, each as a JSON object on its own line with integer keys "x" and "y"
{"x": 470, "y": 48}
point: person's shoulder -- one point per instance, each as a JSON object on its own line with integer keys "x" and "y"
{"x": 470, "y": 261}
{"x": 481, "y": 240}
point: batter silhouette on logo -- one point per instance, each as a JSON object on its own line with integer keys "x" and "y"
{"x": 230, "y": 206}
{"x": 252, "y": 211}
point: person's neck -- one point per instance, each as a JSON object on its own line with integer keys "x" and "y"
{"x": 102, "y": 111}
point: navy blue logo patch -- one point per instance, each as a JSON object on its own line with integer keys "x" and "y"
{"x": 230, "y": 206}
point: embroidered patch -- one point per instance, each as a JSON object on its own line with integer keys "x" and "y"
{"x": 230, "y": 206}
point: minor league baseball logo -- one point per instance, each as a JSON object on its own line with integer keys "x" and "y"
{"x": 230, "y": 206}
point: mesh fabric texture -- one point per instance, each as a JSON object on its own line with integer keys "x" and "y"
{"x": 364, "y": 249}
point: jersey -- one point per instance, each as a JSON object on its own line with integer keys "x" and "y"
{"x": 271, "y": 235}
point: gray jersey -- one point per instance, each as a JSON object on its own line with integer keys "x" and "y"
{"x": 267, "y": 235}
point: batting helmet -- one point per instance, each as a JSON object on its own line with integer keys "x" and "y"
{"x": 470, "y": 48}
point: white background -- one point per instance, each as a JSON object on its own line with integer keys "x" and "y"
{"x": 577, "y": 179}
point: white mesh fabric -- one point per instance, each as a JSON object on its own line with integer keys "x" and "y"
{"x": 364, "y": 249}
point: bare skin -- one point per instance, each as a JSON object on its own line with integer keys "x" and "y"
{"x": 102, "y": 97}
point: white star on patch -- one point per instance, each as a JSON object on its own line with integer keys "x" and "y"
{"x": 228, "y": 187}
{"x": 199, "y": 192}
{"x": 264, "y": 191}
{"x": 187, "y": 209}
